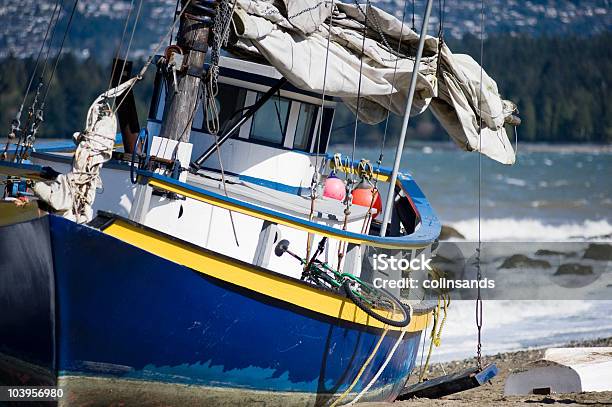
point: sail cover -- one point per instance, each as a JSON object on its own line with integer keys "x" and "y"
{"x": 292, "y": 35}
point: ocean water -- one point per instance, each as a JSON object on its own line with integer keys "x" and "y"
{"x": 550, "y": 194}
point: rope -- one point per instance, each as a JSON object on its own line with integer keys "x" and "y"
{"x": 392, "y": 86}
{"x": 16, "y": 123}
{"x": 362, "y": 370}
{"x": 176, "y": 10}
{"x": 127, "y": 52}
{"x": 350, "y": 180}
{"x": 59, "y": 53}
{"x": 36, "y": 115}
{"x": 120, "y": 45}
{"x": 379, "y": 31}
{"x": 314, "y": 184}
{"x": 436, "y": 331}
{"x": 478, "y": 250}
{"x": 423, "y": 347}
{"x": 380, "y": 370}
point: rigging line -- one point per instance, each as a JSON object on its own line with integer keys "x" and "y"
{"x": 365, "y": 31}
{"x": 392, "y": 86}
{"x": 16, "y": 122}
{"x": 127, "y": 52}
{"x": 176, "y": 9}
{"x": 59, "y": 53}
{"x": 37, "y": 115}
{"x": 119, "y": 46}
{"x": 380, "y": 32}
{"x": 23, "y": 134}
{"x": 200, "y": 101}
{"x": 42, "y": 46}
{"x": 442, "y": 14}
{"x": 413, "y": 10}
{"x": 350, "y": 178}
{"x": 47, "y": 54}
{"x": 317, "y": 171}
{"x": 478, "y": 252}
{"x": 152, "y": 55}
{"x": 320, "y": 124}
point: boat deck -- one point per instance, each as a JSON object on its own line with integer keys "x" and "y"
{"x": 285, "y": 202}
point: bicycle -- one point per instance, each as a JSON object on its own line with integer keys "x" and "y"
{"x": 376, "y": 302}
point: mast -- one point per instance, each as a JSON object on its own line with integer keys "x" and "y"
{"x": 186, "y": 67}
{"x": 400, "y": 144}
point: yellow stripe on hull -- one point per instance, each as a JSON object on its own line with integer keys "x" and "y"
{"x": 239, "y": 274}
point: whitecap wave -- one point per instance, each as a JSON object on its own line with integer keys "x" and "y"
{"x": 527, "y": 230}
{"x": 517, "y": 325}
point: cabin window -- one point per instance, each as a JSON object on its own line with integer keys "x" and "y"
{"x": 326, "y": 126}
{"x": 307, "y": 118}
{"x": 230, "y": 101}
{"x": 270, "y": 121}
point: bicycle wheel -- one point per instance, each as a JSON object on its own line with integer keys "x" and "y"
{"x": 378, "y": 303}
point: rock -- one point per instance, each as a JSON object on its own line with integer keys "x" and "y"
{"x": 449, "y": 232}
{"x": 546, "y": 252}
{"x": 598, "y": 251}
{"x": 522, "y": 261}
{"x": 575, "y": 269}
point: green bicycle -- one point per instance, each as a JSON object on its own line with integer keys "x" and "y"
{"x": 378, "y": 303}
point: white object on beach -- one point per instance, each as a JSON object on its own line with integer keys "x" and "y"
{"x": 565, "y": 370}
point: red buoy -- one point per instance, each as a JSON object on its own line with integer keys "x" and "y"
{"x": 362, "y": 196}
{"x": 334, "y": 188}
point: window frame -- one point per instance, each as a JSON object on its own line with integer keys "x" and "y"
{"x": 286, "y": 131}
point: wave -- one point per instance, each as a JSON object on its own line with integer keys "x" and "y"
{"x": 518, "y": 325}
{"x": 516, "y": 230}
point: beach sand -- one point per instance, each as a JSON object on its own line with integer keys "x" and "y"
{"x": 493, "y": 394}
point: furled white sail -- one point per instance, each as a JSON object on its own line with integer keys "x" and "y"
{"x": 293, "y": 37}
{"x": 73, "y": 194}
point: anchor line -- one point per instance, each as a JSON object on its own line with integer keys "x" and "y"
{"x": 479, "y": 304}
{"x": 314, "y": 184}
{"x": 342, "y": 247}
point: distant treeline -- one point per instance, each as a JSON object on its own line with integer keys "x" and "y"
{"x": 560, "y": 84}
{"x": 75, "y": 86}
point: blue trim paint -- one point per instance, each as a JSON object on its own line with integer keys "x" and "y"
{"x": 127, "y": 313}
{"x": 427, "y": 233}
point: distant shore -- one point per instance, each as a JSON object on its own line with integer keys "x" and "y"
{"x": 493, "y": 394}
{"x": 446, "y": 145}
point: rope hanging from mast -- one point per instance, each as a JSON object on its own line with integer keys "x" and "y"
{"x": 478, "y": 250}
{"x": 316, "y": 176}
{"x": 350, "y": 180}
{"x": 120, "y": 45}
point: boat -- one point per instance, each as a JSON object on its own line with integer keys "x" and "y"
{"x": 208, "y": 267}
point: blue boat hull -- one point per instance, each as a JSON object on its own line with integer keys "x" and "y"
{"x": 123, "y": 319}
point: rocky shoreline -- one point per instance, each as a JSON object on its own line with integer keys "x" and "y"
{"x": 493, "y": 394}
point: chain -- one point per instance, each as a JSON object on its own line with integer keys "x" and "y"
{"x": 379, "y": 30}
{"x": 220, "y": 31}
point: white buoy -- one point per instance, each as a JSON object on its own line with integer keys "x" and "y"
{"x": 564, "y": 370}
